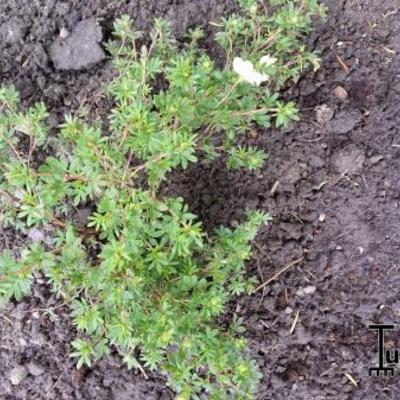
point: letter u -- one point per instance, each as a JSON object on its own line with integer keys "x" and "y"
{"x": 395, "y": 359}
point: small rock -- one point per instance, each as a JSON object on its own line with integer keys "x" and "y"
{"x": 18, "y": 374}
{"x": 305, "y": 291}
{"x": 35, "y": 370}
{"x": 322, "y": 217}
{"x": 340, "y": 93}
{"x": 324, "y": 114}
{"x": 291, "y": 174}
{"x": 344, "y": 122}
{"x": 80, "y": 49}
{"x": 375, "y": 159}
{"x": 309, "y": 289}
{"x": 349, "y": 160}
{"x": 252, "y": 134}
{"x": 64, "y": 33}
{"x": 308, "y": 89}
{"x": 300, "y": 292}
{"x": 12, "y": 31}
{"x": 280, "y": 369}
{"x": 380, "y": 33}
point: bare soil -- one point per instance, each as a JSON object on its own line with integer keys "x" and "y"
{"x": 332, "y": 184}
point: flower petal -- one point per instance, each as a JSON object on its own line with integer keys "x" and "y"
{"x": 242, "y": 67}
{"x": 267, "y": 60}
{"x": 245, "y": 69}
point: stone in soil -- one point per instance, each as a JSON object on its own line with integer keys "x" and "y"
{"x": 12, "y": 31}
{"x": 324, "y": 114}
{"x": 18, "y": 375}
{"x": 80, "y": 49}
{"x": 35, "y": 370}
{"x": 344, "y": 122}
{"x": 340, "y": 93}
{"x": 349, "y": 161}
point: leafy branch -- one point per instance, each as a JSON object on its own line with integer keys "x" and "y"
{"x": 141, "y": 276}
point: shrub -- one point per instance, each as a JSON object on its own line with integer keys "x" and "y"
{"x": 141, "y": 276}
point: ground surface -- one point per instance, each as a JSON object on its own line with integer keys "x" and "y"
{"x": 332, "y": 184}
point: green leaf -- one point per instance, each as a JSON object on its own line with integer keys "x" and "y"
{"x": 84, "y": 352}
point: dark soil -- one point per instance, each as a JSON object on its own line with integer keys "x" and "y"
{"x": 332, "y": 184}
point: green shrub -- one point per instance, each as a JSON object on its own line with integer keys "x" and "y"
{"x": 141, "y": 276}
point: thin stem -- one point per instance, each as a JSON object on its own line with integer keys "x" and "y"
{"x": 229, "y": 92}
{"x": 14, "y": 149}
{"x": 127, "y": 167}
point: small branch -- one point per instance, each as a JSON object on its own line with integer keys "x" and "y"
{"x": 68, "y": 178}
{"x": 14, "y": 150}
{"x": 143, "y": 166}
{"x": 229, "y": 93}
{"x": 343, "y": 64}
{"x": 252, "y": 112}
{"x": 124, "y": 136}
{"x": 32, "y": 146}
{"x": 279, "y": 273}
{"x": 127, "y": 167}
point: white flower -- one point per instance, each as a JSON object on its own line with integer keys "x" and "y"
{"x": 245, "y": 69}
{"x": 267, "y": 60}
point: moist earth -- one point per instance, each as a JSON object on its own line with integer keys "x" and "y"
{"x": 331, "y": 183}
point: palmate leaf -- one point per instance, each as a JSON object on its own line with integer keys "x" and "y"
{"x": 18, "y": 174}
{"x": 34, "y": 214}
{"x": 84, "y": 352}
{"x": 14, "y": 286}
{"x": 15, "y": 279}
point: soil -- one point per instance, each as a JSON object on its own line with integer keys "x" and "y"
{"x": 331, "y": 184}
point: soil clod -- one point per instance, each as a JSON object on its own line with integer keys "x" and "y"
{"x": 80, "y": 49}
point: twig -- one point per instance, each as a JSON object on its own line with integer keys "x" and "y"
{"x": 7, "y": 319}
{"x": 351, "y": 379}
{"x": 229, "y": 92}
{"x": 127, "y": 166}
{"x": 262, "y": 250}
{"x": 293, "y": 327}
{"x": 55, "y": 384}
{"x": 13, "y": 149}
{"x": 343, "y": 64}
{"x": 262, "y": 278}
{"x": 279, "y": 273}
